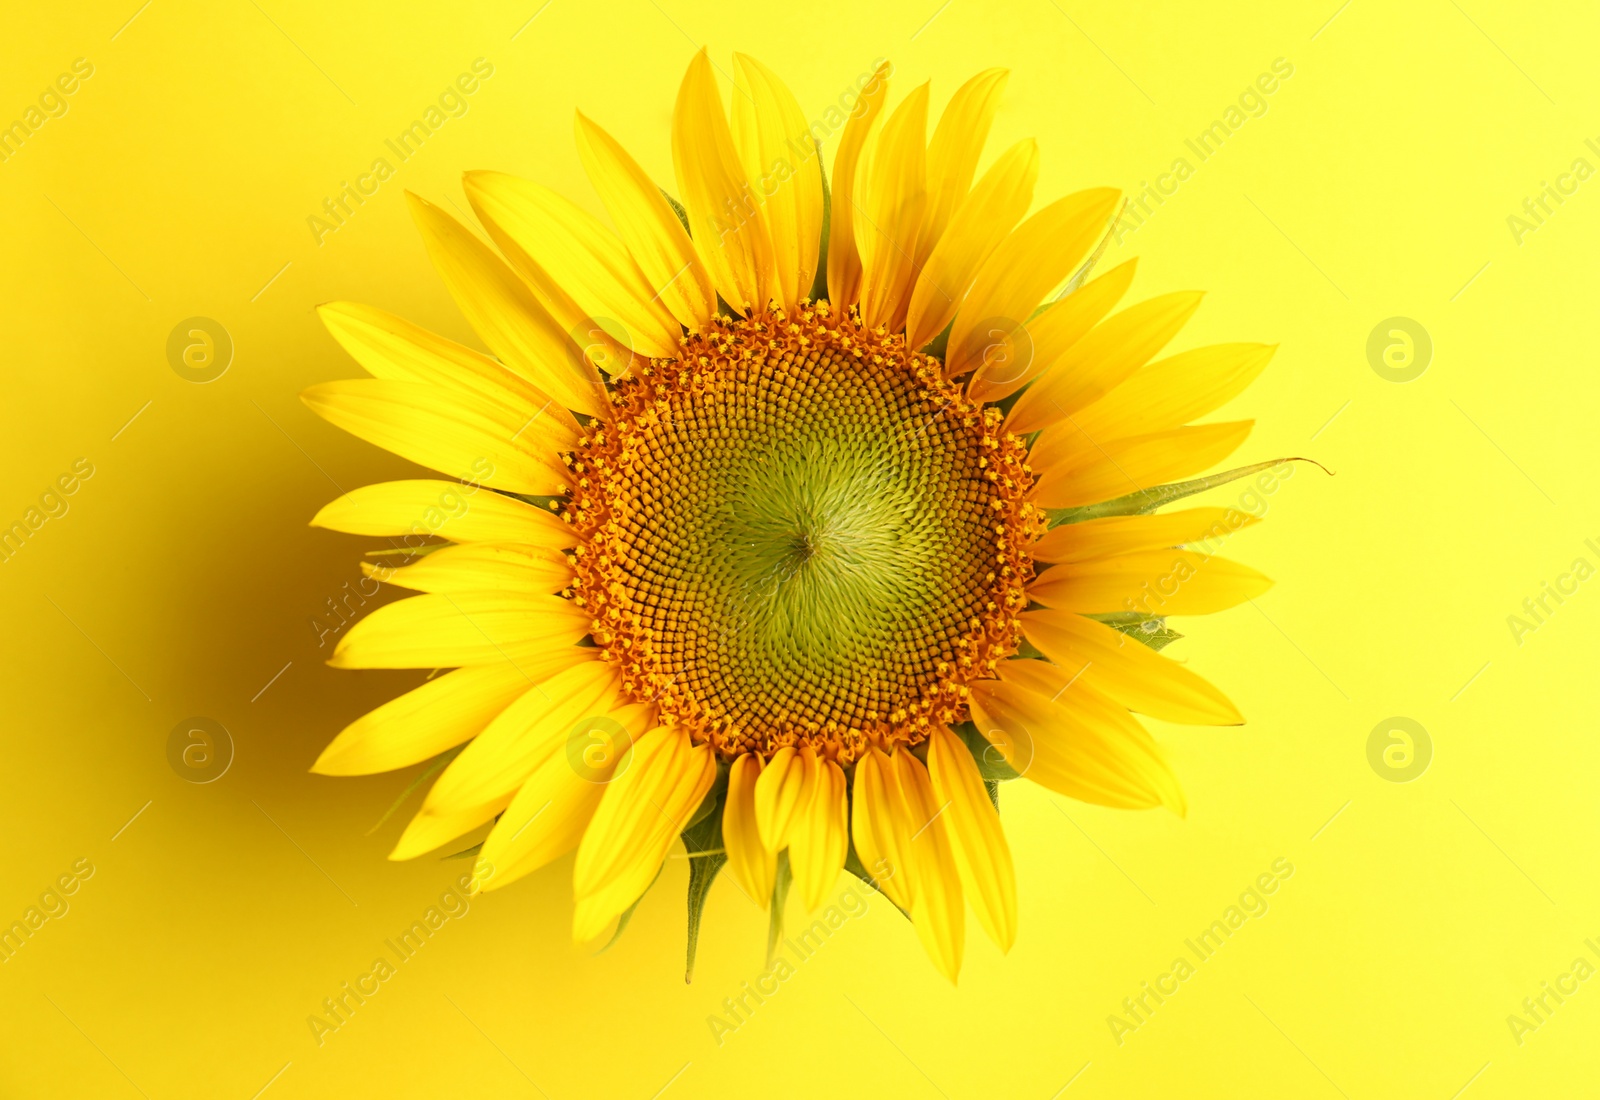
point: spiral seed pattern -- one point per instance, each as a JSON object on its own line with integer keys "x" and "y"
{"x": 799, "y": 532}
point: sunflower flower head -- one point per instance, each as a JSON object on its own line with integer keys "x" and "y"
{"x": 785, "y": 522}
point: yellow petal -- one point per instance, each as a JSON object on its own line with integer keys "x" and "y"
{"x": 754, "y": 866}
{"x": 648, "y": 226}
{"x": 424, "y": 507}
{"x": 639, "y": 817}
{"x": 1112, "y": 535}
{"x": 890, "y": 201}
{"x": 501, "y": 308}
{"x": 1102, "y": 360}
{"x": 392, "y": 347}
{"x": 1117, "y": 467}
{"x": 423, "y": 722}
{"x": 1127, "y": 670}
{"x": 1176, "y": 390}
{"x": 539, "y": 725}
{"x": 982, "y": 220}
{"x": 425, "y": 832}
{"x": 779, "y": 791}
{"x": 1068, "y": 738}
{"x": 456, "y": 433}
{"x": 936, "y": 910}
{"x": 979, "y": 844}
{"x": 553, "y": 807}
{"x": 729, "y": 232}
{"x": 844, "y": 262}
{"x": 469, "y": 628}
{"x": 1038, "y": 255}
{"x": 820, "y": 835}
{"x": 578, "y": 254}
{"x": 878, "y": 825}
{"x": 481, "y": 567}
{"x": 1042, "y": 341}
{"x": 1150, "y": 582}
{"x": 544, "y": 822}
{"x": 953, "y": 153}
{"x": 780, "y": 159}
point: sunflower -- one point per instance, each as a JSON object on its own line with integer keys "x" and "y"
{"x": 786, "y": 521}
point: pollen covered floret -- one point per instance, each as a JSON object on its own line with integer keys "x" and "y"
{"x": 799, "y": 532}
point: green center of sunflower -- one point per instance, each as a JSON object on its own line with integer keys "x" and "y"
{"x": 798, "y": 532}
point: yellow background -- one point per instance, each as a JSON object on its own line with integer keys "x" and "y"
{"x": 184, "y": 575}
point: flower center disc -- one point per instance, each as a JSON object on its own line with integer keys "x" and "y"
{"x": 799, "y": 533}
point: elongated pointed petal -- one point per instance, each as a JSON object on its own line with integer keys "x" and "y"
{"x": 544, "y": 822}
{"x": 425, "y": 832}
{"x": 820, "y": 835}
{"x": 1102, "y": 360}
{"x": 980, "y": 223}
{"x": 1176, "y": 390}
{"x": 423, "y": 722}
{"x": 844, "y": 261}
{"x": 1118, "y": 467}
{"x": 424, "y": 507}
{"x": 555, "y": 803}
{"x": 648, "y": 226}
{"x": 1072, "y": 740}
{"x": 639, "y": 817}
{"x": 391, "y": 347}
{"x": 1042, "y": 341}
{"x": 936, "y": 911}
{"x": 753, "y": 865}
{"x": 1151, "y": 582}
{"x": 504, "y": 312}
{"x": 779, "y": 793}
{"x": 729, "y": 231}
{"x": 531, "y": 730}
{"x": 1113, "y": 535}
{"x": 953, "y": 153}
{"x": 578, "y": 254}
{"x": 454, "y": 432}
{"x": 890, "y": 205}
{"x": 1039, "y": 254}
{"x": 472, "y": 628}
{"x": 979, "y": 844}
{"x": 481, "y": 567}
{"x": 1127, "y": 670}
{"x": 878, "y": 826}
{"x": 779, "y": 155}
